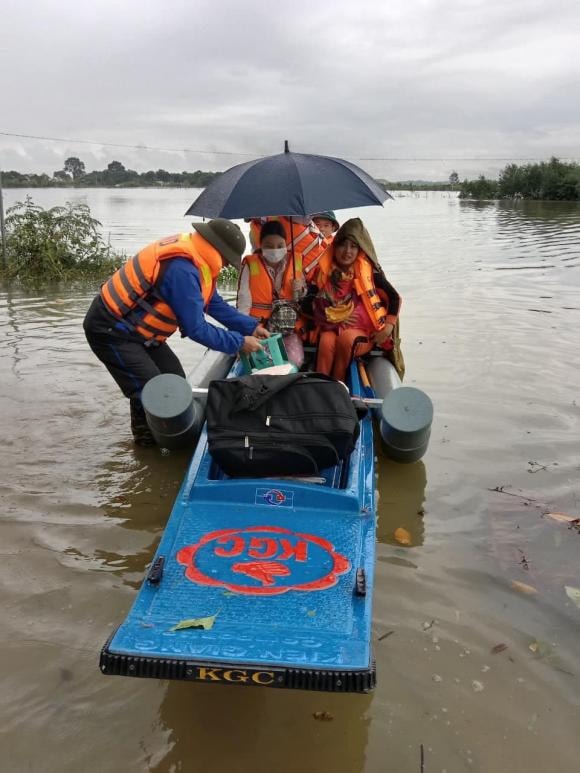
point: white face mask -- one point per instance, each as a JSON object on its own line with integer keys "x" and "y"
{"x": 275, "y": 256}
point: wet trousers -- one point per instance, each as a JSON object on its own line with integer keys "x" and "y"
{"x": 124, "y": 354}
{"x": 337, "y": 349}
{"x": 129, "y": 361}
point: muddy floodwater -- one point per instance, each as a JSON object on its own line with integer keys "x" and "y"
{"x": 476, "y": 621}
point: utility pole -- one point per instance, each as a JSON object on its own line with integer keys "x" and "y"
{"x": 2, "y": 226}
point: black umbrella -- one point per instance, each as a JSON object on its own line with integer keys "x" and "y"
{"x": 290, "y": 184}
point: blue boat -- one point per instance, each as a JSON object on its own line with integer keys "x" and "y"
{"x": 264, "y": 582}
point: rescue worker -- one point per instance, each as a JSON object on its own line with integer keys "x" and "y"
{"x": 327, "y": 224}
{"x": 170, "y": 284}
{"x": 355, "y": 308}
{"x": 270, "y": 284}
{"x": 302, "y": 235}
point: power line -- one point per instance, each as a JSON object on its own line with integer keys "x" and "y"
{"x": 120, "y": 145}
{"x": 470, "y": 158}
{"x": 448, "y": 159}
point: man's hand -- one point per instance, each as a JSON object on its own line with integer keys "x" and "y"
{"x": 251, "y": 344}
{"x": 383, "y": 334}
{"x": 261, "y": 332}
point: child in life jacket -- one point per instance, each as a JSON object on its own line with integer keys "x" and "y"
{"x": 270, "y": 285}
{"x": 355, "y": 308}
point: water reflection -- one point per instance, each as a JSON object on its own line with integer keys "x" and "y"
{"x": 11, "y": 326}
{"x": 401, "y": 500}
{"x": 528, "y": 230}
{"x": 248, "y": 730}
{"x": 138, "y": 487}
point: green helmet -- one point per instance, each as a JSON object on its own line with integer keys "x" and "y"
{"x": 226, "y": 237}
{"x": 329, "y": 215}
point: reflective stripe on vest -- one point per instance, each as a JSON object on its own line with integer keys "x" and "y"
{"x": 133, "y": 285}
{"x": 308, "y": 240}
{"x": 314, "y": 262}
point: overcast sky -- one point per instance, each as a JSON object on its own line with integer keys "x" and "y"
{"x": 375, "y": 78}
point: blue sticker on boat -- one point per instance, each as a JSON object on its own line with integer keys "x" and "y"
{"x": 274, "y": 496}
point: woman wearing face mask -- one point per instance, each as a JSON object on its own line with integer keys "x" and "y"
{"x": 301, "y": 233}
{"x": 268, "y": 277}
{"x": 355, "y": 307}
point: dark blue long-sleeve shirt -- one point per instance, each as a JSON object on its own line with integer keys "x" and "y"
{"x": 180, "y": 288}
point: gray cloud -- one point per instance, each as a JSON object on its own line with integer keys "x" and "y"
{"x": 413, "y": 79}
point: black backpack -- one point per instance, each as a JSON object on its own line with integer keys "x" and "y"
{"x": 262, "y": 426}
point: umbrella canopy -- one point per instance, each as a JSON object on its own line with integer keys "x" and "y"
{"x": 290, "y": 184}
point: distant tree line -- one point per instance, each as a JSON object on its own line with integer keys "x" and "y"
{"x": 74, "y": 175}
{"x": 421, "y": 185}
{"x": 551, "y": 180}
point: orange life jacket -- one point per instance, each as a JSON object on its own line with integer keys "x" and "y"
{"x": 262, "y": 288}
{"x": 375, "y": 303}
{"x": 307, "y": 239}
{"x": 133, "y": 285}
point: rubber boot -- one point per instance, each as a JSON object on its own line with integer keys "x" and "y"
{"x": 139, "y": 427}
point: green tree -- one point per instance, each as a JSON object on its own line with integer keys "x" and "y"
{"x": 482, "y": 188}
{"x": 453, "y": 178}
{"x": 115, "y": 167}
{"x": 115, "y": 173}
{"x": 75, "y": 167}
{"x": 162, "y": 176}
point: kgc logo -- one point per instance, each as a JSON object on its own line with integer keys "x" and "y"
{"x": 263, "y": 560}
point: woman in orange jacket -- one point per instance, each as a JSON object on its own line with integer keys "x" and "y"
{"x": 301, "y": 234}
{"x": 270, "y": 284}
{"x": 355, "y": 307}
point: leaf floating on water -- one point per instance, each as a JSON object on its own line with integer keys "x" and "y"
{"x": 546, "y": 652}
{"x": 542, "y": 649}
{"x": 323, "y": 716}
{"x": 523, "y": 588}
{"x": 498, "y": 648}
{"x": 311, "y": 613}
{"x": 573, "y": 594}
{"x": 402, "y": 536}
{"x": 562, "y": 517}
{"x": 198, "y": 622}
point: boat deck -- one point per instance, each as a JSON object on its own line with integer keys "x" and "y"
{"x": 278, "y": 571}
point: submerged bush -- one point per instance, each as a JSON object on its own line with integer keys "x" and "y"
{"x": 57, "y": 243}
{"x": 228, "y": 275}
{"x": 553, "y": 180}
{"x": 482, "y": 188}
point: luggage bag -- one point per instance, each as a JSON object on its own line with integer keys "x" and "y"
{"x": 263, "y": 426}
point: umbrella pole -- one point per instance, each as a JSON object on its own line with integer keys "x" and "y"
{"x": 292, "y": 243}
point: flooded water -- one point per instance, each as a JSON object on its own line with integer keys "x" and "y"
{"x": 490, "y": 331}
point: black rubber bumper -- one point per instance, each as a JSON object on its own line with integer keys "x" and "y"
{"x": 283, "y": 677}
